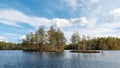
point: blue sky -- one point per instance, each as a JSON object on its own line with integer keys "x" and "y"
{"x": 94, "y": 18}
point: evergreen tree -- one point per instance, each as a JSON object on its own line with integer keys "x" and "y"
{"x": 52, "y": 38}
{"x": 60, "y": 40}
{"x": 75, "y": 39}
{"x": 40, "y": 38}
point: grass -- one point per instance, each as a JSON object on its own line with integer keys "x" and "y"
{"x": 85, "y": 51}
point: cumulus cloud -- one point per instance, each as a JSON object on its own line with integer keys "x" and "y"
{"x": 113, "y": 17}
{"x": 61, "y": 22}
{"x": 108, "y": 27}
{"x": 3, "y": 39}
{"x": 114, "y": 14}
{"x": 82, "y": 21}
{"x": 22, "y": 37}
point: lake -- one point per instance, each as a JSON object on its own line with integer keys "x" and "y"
{"x": 20, "y": 59}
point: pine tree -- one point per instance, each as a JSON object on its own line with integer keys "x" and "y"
{"x": 40, "y": 38}
{"x": 84, "y": 42}
{"x": 52, "y": 38}
{"x": 60, "y": 40}
{"x": 75, "y": 39}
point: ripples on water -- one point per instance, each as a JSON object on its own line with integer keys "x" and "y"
{"x": 20, "y": 59}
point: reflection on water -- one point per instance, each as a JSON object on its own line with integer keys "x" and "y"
{"x": 20, "y": 59}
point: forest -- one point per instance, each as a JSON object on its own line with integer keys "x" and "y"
{"x": 54, "y": 40}
{"x": 87, "y": 43}
{"x": 10, "y": 46}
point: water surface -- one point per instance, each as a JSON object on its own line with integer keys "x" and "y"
{"x": 20, "y": 59}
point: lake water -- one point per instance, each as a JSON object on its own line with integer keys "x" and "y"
{"x": 20, "y": 59}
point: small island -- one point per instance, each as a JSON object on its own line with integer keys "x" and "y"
{"x": 85, "y": 51}
{"x": 52, "y": 40}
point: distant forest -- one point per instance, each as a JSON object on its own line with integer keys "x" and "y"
{"x": 54, "y": 40}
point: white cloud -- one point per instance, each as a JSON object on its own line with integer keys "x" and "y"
{"x": 104, "y": 29}
{"x": 82, "y": 21}
{"x": 72, "y": 3}
{"x": 79, "y": 21}
{"x": 115, "y": 14}
{"x": 10, "y": 22}
{"x": 3, "y": 39}
{"x": 22, "y": 37}
{"x": 95, "y": 1}
{"x": 61, "y": 22}
{"x": 14, "y": 17}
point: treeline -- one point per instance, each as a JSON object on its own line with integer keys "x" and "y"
{"x": 10, "y": 46}
{"x": 41, "y": 40}
{"x": 86, "y": 43}
{"x": 54, "y": 40}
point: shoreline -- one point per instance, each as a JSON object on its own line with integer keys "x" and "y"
{"x": 43, "y": 51}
